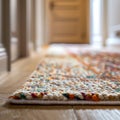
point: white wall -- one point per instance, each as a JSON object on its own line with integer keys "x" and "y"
{"x": 39, "y": 23}
{"x": 113, "y": 15}
{"x": 113, "y": 21}
{"x": 14, "y": 30}
{"x": 114, "y": 12}
{"x": 13, "y": 15}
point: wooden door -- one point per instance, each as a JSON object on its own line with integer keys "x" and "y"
{"x": 67, "y": 21}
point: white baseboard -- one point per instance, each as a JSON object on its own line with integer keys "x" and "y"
{"x": 14, "y": 49}
{"x": 3, "y": 60}
{"x": 115, "y": 42}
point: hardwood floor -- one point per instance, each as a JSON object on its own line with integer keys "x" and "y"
{"x": 13, "y": 80}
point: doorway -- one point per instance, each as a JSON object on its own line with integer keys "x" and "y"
{"x": 67, "y": 21}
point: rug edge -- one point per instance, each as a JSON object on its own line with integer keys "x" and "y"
{"x": 48, "y": 102}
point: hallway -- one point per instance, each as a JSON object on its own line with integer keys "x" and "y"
{"x": 28, "y": 28}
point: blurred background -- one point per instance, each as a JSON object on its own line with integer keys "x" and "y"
{"x": 27, "y": 25}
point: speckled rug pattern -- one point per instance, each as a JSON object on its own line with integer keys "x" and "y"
{"x": 87, "y": 78}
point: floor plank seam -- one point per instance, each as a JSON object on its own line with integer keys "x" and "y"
{"x": 74, "y": 111}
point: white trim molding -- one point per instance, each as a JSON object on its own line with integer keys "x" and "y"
{"x": 116, "y": 27}
{"x": 114, "y": 38}
{"x": 3, "y": 53}
{"x": 116, "y": 31}
{"x": 104, "y": 21}
{"x": 3, "y": 60}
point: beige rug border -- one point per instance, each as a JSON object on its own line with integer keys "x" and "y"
{"x": 54, "y": 102}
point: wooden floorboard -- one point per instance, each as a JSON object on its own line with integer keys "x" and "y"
{"x": 98, "y": 114}
{"x": 20, "y": 72}
{"x": 37, "y": 113}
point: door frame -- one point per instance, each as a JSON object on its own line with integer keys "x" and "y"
{"x": 6, "y": 30}
{"x": 23, "y": 35}
{"x": 47, "y": 23}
